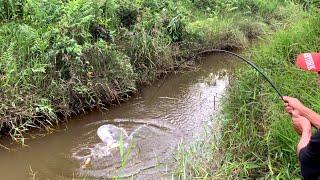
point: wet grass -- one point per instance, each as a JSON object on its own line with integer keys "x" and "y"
{"x": 257, "y": 139}
{"x": 61, "y": 58}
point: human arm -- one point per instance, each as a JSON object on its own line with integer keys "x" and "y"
{"x": 308, "y": 148}
{"x": 312, "y": 116}
{"x": 302, "y": 127}
{"x": 309, "y": 157}
{"x": 304, "y": 140}
{"x": 293, "y": 104}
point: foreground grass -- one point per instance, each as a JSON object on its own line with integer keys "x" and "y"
{"x": 257, "y": 139}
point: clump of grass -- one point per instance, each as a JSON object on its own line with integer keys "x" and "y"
{"x": 127, "y": 13}
{"x": 217, "y": 33}
{"x": 253, "y": 29}
{"x": 151, "y": 54}
{"x": 197, "y": 160}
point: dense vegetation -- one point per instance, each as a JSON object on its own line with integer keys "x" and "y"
{"x": 61, "y": 57}
{"x": 257, "y": 139}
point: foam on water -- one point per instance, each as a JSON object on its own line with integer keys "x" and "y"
{"x": 110, "y": 134}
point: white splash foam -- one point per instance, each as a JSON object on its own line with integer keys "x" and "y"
{"x": 110, "y": 136}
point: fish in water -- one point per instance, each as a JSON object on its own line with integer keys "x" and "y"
{"x": 111, "y": 135}
{"x": 86, "y": 163}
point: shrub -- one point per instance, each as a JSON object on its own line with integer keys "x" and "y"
{"x": 217, "y": 33}
{"x": 252, "y": 29}
{"x": 128, "y": 13}
{"x": 10, "y": 10}
{"x": 151, "y": 53}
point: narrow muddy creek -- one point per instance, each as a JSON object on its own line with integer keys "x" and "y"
{"x": 175, "y": 109}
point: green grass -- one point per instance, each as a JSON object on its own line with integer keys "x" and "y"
{"x": 198, "y": 160}
{"x": 257, "y": 138}
{"x": 256, "y": 113}
{"x": 60, "y": 58}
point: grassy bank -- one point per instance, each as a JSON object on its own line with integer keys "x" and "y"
{"x": 257, "y": 139}
{"x": 59, "y": 58}
{"x": 257, "y": 115}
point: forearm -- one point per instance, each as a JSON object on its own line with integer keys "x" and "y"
{"x": 304, "y": 140}
{"x": 312, "y": 116}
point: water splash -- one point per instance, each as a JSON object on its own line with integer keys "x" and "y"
{"x": 111, "y": 135}
{"x": 136, "y": 131}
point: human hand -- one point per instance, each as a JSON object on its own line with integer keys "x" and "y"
{"x": 300, "y": 124}
{"x": 293, "y": 105}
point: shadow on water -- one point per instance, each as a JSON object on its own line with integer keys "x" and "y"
{"x": 155, "y": 121}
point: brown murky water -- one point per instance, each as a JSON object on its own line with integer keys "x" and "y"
{"x": 175, "y": 109}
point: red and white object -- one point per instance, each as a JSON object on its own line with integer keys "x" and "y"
{"x": 309, "y": 61}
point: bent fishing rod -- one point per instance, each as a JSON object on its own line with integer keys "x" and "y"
{"x": 248, "y": 62}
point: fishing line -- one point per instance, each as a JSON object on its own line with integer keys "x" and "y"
{"x": 248, "y": 62}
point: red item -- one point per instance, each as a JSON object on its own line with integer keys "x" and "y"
{"x": 309, "y": 61}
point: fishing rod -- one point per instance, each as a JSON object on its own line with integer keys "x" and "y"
{"x": 248, "y": 62}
